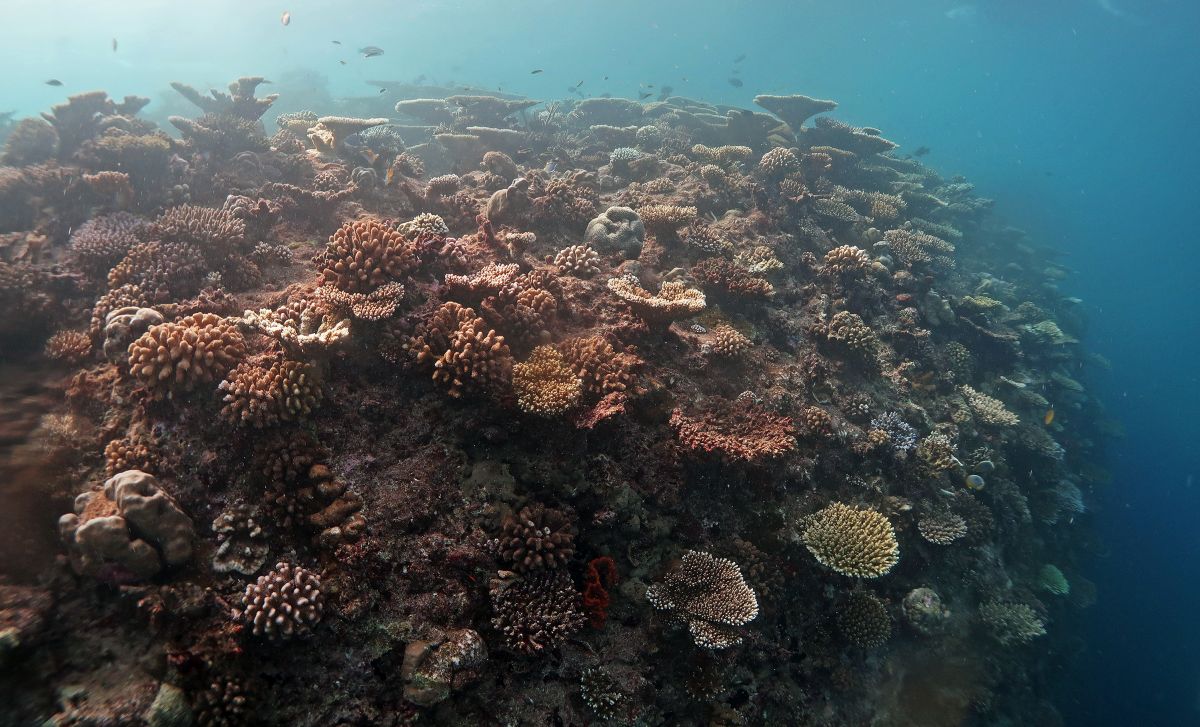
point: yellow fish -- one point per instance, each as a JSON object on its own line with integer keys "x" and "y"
{"x": 390, "y": 176}
{"x": 1048, "y": 417}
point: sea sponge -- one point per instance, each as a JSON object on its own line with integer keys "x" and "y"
{"x": 598, "y": 365}
{"x": 173, "y": 357}
{"x": 263, "y": 396}
{"x": 864, "y": 620}
{"x": 578, "y": 260}
{"x": 544, "y": 384}
{"x": 739, "y": 430}
{"x": 464, "y": 352}
{"x": 617, "y": 229}
{"x": 537, "y": 537}
{"x": 537, "y": 611}
{"x": 988, "y": 410}
{"x": 1011, "y": 623}
{"x": 709, "y": 595}
{"x": 729, "y": 342}
{"x": 674, "y": 299}
{"x": 846, "y": 260}
{"x": 284, "y": 603}
{"x": 129, "y": 529}
{"x": 361, "y": 256}
{"x": 852, "y": 541}
{"x": 942, "y": 527}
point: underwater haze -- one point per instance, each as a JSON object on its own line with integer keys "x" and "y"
{"x": 415, "y": 378}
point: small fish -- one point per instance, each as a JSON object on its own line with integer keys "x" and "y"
{"x": 974, "y": 482}
{"x": 114, "y": 45}
{"x": 391, "y": 175}
{"x": 286, "y": 18}
{"x": 577, "y": 85}
{"x": 342, "y": 62}
{"x": 921, "y": 151}
{"x": 371, "y": 51}
{"x": 383, "y": 90}
{"x": 54, "y": 82}
{"x": 606, "y": 78}
{"x": 736, "y": 82}
{"x": 536, "y": 71}
{"x": 740, "y": 58}
{"x": 641, "y": 96}
{"x": 336, "y": 42}
{"x": 1048, "y": 417}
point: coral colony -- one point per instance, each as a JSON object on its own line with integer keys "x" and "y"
{"x": 502, "y": 412}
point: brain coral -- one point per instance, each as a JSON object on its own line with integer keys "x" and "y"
{"x": 361, "y": 256}
{"x": 544, "y": 383}
{"x": 710, "y": 595}
{"x": 617, "y": 229}
{"x": 174, "y": 357}
{"x": 853, "y": 542}
{"x": 740, "y": 430}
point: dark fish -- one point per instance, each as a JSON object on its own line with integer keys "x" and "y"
{"x": 54, "y": 82}
{"x": 736, "y": 82}
{"x": 535, "y": 71}
{"x": 371, "y": 51}
{"x": 921, "y": 151}
{"x": 336, "y": 42}
{"x": 606, "y": 78}
{"x": 114, "y": 45}
{"x": 644, "y": 96}
{"x": 577, "y": 85}
{"x": 740, "y": 58}
{"x": 285, "y": 18}
{"x": 342, "y": 62}
{"x": 383, "y": 90}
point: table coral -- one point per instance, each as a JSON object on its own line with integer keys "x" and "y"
{"x": 709, "y": 595}
{"x": 852, "y": 541}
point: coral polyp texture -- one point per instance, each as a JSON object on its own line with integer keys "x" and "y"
{"x": 857, "y": 542}
{"x": 591, "y": 409}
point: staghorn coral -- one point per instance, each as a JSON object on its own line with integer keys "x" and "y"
{"x": 578, "y": 260}
{"x": 262, "y": 396}
{"x": 854, "y": 542}
{"x": 709, "y": 595}
{"x": 988, "y": 410}
{"x": 1011, "y": 623}
{"x": 739, "y": 430}
{"x": 130, "y": 529}
{"x": 544, "y": 384}
{"x": 464, "y": 353}
{"x": 361, "y": 256}
{"x": 864, "y": 620}
{"x": 170, "y": 358}
{"x": 942, "y": 528}
{"x": 284, "y": 603}
{"x": 674, "y": 300}
{"x": 537, "y": 537}
{"x": 535, "y": 612}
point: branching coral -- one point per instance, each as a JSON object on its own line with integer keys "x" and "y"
{"x": 854, "y": 542}
{"x": 942, "y": 527}
{"x": 537, "y": 611}
{"x": 175, "y": 357}
{"x": 361, "y": 256}
{"x": 464, "y": 353}
{"x": 739, "y": 430}
{"x": 849, "y": 330}
{"x": 709, "y": 595}
{"x": 261, "y": 396}
{"x": 578, "y": 260}
{"x": 544, "y": 384}
{"x": 376, "y": 305}
{"x": 731, "y": 279}
{"x": 918, "y": 247}
{"x": 242, "y": 544}
{"x": 284, "y": 603}
{"x": 778, "y": 162}
{"x": 666, "y": 219}
{"x": 989, "y": 410}
{"x": 846, "y": 260}
{"x": 1011, "y": 623}
{"x": 100, "y": 243}
{"x": 537, "y": 537}
{"x": 598, "y": 365}
{"x": 864, "y": 620}
{"x": 729, "y": 342}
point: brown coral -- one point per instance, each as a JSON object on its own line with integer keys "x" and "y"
{"x": 537, "y": 537}
{"x": 537, "y": 611}
{"x": 544, "y": 384}
{"x": 942, "y": 528}
{"x": 709, "y": 595}
{"x": 853, "y": 542}
{"x": 729, "y": 342}
{"x": 598, "y": 365}
{"x": 284, "y": 603}
{"x": 263, "y": 396}
{"x": 174, "y": 357}
{"x": 465, "y": 354}
{"x": 739, "y": 430}
{"x": 361, "y": 256}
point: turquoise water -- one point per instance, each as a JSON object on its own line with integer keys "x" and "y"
{"x": 1079, "y": 119}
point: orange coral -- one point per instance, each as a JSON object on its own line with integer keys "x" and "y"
{"x": 265, "y": 395}
{"x": 173, "y": 357}
{"x": 361, "y": 256}
{"x": 465, "y": 354}
{"x": 739, "y": 430}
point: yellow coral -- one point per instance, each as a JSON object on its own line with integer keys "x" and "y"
{"x": 544, "y": 383}
{"x": 851, "y": 541}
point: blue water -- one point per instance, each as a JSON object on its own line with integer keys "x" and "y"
{"x": 1079, "y": 116}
